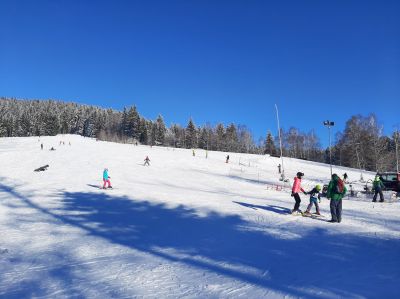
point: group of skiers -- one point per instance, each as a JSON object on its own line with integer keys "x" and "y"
{"x": 52, "y": 148}
{"x": 335, "y": 192}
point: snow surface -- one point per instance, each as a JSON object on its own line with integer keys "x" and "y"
{"x": 184, "y": 227}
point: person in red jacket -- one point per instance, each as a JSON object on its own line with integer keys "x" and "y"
{"x": 295, "y": 192}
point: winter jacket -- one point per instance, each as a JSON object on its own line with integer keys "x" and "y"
{"x": 297, "y": 186}
{"x": 331, "y": 193}
{"x": 378, "y": 185}
{"x": 105, "y": 174}
{"x": 314, "y": 193}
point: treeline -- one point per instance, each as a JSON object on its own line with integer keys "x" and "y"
{"x": 37, "y": 117}
{"x": 361, "y": 145}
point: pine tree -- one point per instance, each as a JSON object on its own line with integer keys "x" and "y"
{"x": 270, "y": 145}
{"x": 152, "y": 129}
{"x": 231, "y": 138}
{"x": 220, "y": 137}
{"x": 203, "y": 138}
{"x": 143, "y": 129}
{"x": 124, "y": 129}
{"x": 133, "y": 122}
{"x": 191, "y": 135}
{"x": 160, "y": 130}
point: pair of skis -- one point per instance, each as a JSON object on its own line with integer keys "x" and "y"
{"x": 305, "y": 214}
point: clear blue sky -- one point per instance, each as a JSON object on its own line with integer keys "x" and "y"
{"x": 226, "y": 61}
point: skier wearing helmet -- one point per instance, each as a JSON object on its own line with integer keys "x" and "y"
{"x": 336, "y": 191}
{"x": 295, "y": 193}
{"x": 106, "y": 179}
{"x": 315, "y": 197}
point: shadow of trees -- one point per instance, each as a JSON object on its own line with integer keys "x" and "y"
{"x": 339, "y": 264}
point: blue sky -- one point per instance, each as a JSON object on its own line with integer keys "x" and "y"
{"x": 227, "y": 61}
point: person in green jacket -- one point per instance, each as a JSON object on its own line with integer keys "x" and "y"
{"x": 336, "y": 191}
{"x": 378, "y": 186}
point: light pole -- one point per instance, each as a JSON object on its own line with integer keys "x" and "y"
{"x": 329, "y": 124}
{"x": 397, "y": 149}
{"x": 280, "y": 143}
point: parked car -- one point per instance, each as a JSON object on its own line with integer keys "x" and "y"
{"x": 391, "y": 180}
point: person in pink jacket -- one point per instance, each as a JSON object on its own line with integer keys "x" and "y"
{"x": 295, "y": 192}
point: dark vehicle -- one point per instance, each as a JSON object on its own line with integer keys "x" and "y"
{"x": 391, "y": 180}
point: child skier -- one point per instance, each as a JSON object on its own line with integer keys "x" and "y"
{"x": 146, "y": 161}
{"x": 315, "y": 197}
{"x": 295, "y": 193}
{"x": 106, "y": 179}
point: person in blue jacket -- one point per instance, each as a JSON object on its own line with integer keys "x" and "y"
{"x": 106, "y": 179}
{"x": 315, "y": 197}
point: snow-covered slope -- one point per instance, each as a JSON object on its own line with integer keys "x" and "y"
{"x": 184, "y": 227}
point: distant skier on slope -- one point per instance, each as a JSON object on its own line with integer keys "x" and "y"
{"x": 146, "y": 161}
{"x": 295, "y": 192}
{"x": 345, "y": 176}
{"x": 279, "y": 169}
{"x": 106, "y": 179}
{"x": 315, "y": 197}
{"x": 227, "y": 159}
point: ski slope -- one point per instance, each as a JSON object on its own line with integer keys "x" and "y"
{"x": 184, "y": 227}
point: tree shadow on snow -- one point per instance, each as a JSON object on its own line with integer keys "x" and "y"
{"x": 26, "y": 274}
{"x": 339, "y": 264}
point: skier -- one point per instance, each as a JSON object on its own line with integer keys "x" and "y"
{"x": 227, "y": 159}
{"x": 345, "y": 177}
{"x": 41, "y": 146}
{"x": 336, "y": 192}
{"x": 315, "y": 197}
{"x": 378, "y": 186}
{"x": 194, "y": 154}
{"x": 279, "y": 168}
{"x": 146, "y": 161}
{"x": 295, "y": 193}
{"x": 106, "y": 179}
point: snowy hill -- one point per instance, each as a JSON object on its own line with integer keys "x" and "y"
{"x": 186, "y": 226}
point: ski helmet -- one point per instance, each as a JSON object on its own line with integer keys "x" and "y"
{"x": 318, "y": 187}
{"x": 299, "y": 174}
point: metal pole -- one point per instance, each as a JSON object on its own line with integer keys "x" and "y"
{"x": 397, "y": 151}
{"x": 329, "y": 124}
{"x": 359, "y": 164}
{"x": 280, "y": 143}
{"x": 330, "y": 148}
